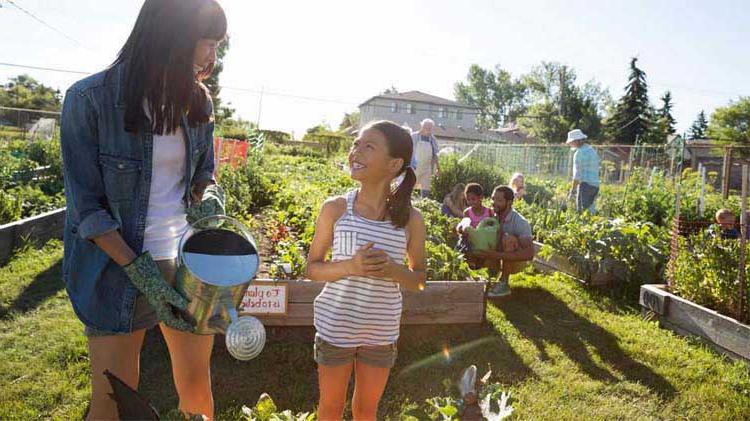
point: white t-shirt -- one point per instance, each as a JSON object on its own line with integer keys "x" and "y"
{"x": 166, "y": 220}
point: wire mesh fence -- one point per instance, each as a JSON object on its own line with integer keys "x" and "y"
{"x": 28, "y": 124}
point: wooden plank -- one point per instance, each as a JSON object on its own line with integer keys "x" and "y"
{"x": 39, "y": 228}
{"x": 685, "y": 317}
{"x": 654, "y": 298}
{"x": 426, "y": 313}
{"x": 301, "y": 291}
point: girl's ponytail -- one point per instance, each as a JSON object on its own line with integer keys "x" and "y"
{"x": 399, "y": 201}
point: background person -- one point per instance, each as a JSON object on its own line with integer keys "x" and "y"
{"x": 425, "y": 160}
{"x": 454, "y": 202}
{"x": 137, "y": 149}
{"x": 516, "y": 245}
{"x": 518, "y": 185}
{"x": 585, "y": 172}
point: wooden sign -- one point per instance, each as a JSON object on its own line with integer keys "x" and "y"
{"x": 266, "y": 299}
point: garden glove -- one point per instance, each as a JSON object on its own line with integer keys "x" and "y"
{"x": 146, "y": 276}
{"x": 212, "y": 204}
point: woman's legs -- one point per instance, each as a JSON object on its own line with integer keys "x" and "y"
{"x": 120, "y": 354}
{"x": 191, "y": 369}
{"x": 333, "y": 383}
{"x": 369, "y": 385}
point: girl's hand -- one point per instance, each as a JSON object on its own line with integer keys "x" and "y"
{"x": 367, "y": 260}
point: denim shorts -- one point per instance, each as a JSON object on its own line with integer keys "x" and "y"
{"x": 382, "y": 356}
{"x": 144, "y": 316}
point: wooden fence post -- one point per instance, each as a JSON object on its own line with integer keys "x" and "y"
{"x": 726, "y": 172}
{"x": 742, "y": 276}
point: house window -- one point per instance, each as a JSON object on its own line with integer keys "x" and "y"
{"x": 394, "y": 107}
{"x": 443, "y": 112}
{"x": 459, "y": 115}
{"x": 410, "y": 108}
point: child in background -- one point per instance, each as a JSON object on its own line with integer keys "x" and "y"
{"x": 454, "y": 203}
{"x": 476, "y": 211}
{"x": 728, "y": 223}
{"x": 518, "y": 186}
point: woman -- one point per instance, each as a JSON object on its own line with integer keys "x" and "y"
{"x": 454, "y": 202}
{"x": 369, "y": 232}
{"x": 137, "y": 147}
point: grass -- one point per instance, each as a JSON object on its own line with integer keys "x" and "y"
{"x": 565, "y": 353}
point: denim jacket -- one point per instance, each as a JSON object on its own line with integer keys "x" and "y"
{"x": 107, "y": 174}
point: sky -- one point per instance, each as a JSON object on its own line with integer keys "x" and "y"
{"x": 316, "y": 60}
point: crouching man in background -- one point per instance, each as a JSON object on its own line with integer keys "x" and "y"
{"x": 515, "y": 244}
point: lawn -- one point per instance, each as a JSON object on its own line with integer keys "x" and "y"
{"x": 565, "y": 352}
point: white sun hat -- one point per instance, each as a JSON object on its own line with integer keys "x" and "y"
{"x": 576, "y": 134}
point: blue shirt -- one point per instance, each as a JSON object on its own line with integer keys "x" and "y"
{"x": 107, "y": 174}
{"x": 586, "y": 165}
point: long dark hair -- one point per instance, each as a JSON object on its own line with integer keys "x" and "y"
{"x": 158, "y": 63}
{"x": 398, "y": 203}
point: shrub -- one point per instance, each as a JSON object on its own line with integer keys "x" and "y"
{"x": 453, "y": 172}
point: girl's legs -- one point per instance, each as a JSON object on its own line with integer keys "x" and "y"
{"x": 120, "y": 354}
{"x": 369, "y": 385}
{"x": 333, "y": 383}
{"x": 191, "y": 369}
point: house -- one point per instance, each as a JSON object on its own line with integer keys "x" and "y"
{"x": 513, "y": 135}
{"x": 454, "y": 121}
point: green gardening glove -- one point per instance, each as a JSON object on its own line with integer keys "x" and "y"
{"x": 146, "y": 276}
{"x": 211, "y": 205}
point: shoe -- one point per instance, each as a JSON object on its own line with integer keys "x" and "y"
{"x": 500, "y": 289}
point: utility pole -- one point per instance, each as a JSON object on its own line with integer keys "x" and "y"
{"x": 260, "y": 105}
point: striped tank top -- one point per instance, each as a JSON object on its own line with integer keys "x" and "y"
{"x": 359, "y": 311}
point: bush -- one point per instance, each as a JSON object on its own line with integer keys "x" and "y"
{"x": 247, "y": 187}
{"x": 453, "y": 172}
{"x": 705, "y": 272}
{"x": 332, "y": 142}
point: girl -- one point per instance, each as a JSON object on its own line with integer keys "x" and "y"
{"x": 518, "y": 186}
{"x": 137, "y": 148}
{"x": 476, "y": 211}
{"x": 454, "y": 203}
{"x": 371, "y": 230}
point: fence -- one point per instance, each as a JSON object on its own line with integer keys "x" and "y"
{"x": 28, "y": 124}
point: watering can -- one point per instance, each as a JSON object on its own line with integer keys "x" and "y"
{"x": 484, "y": 236}
{"x": 217, "y": 261}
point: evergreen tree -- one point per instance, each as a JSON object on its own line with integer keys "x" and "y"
{"x": 699, "y": 127}
{"x": 665, "y": 113}
{"x": 631, "y": 119}
{"x": 221, "y": 112}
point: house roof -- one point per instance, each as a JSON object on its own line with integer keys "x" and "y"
{"x": 462, "y": 134}
{"x": 416, "y": 96}
{"x": 513, "y": 134}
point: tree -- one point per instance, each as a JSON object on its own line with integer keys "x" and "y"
{"x": 350, "y": 122}
{"x": 699, "y": 127}
{"x": 390, "y": 91}
{"x": 499, "y": 98}
{"x": 221, "y": 112}
{"x": 23, "y": 91}
{"x": 731, "y": 124}
{"x": 632, "y": 115}
{"x": 560, "y": 105}
{"x": 665, "y": 113}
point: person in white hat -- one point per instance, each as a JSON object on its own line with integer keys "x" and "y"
{"x": 585, "y": 171}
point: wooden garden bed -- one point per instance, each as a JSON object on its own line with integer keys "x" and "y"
{"x": 687, "y": 318}
{"x": 455, "y": 302}
{"x": 38, "y": 229}
{"x": 560, "y": 263}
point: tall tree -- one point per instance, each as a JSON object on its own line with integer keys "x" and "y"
{"x": 350, "y": 122}
{"x": 731, "y": 124}
{"x": 23, "y": 91}
{"x": 499, "y": 98}
{"x": 699, "y": 127}
{"x": 632, "y": 115}
{"x": 665, "y": 113}
{"x": 222, "y": 112}
{"x": 559, "y": 104}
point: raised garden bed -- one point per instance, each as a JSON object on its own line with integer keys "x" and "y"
{"x": 455, "y": 302}
{"x": 560, "y": 263}
{"x": 687, "y": 318}
{"x": 38, "y": 229}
